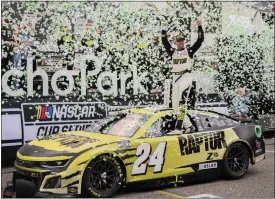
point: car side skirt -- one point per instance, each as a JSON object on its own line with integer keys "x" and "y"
{"x": 203, "y": 175}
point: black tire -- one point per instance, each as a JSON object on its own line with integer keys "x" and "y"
{"x": 235, "y": 161}
{"x": 102, "y": 177}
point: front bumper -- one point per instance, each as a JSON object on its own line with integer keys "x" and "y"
{"x": 54, "y": 195}
{"x": 8, "y": 193}
{"x": 28, "y": 187}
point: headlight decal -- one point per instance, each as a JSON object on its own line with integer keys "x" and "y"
{"x": 53, "y": 164}
{"x": 43, "y": 164}
{"x": 26, "y": 163}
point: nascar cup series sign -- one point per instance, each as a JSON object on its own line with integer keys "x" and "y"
{"x": 42, "y": 119}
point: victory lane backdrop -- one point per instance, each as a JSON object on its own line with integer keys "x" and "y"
{"x": 121, "y": 34}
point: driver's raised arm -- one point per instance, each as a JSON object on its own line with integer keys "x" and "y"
{"x": 166, "y": 43}
{"x": 197, "y": 44}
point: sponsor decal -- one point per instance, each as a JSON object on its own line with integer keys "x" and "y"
{"x": 44, "y": 119}
{"x": 180, "y": 61}
{"x": 60, "y": 111}
{"x": 68, "y": 140}
{"x": 210, "y": 156}
{"x": 46, "y": 130}
{"x": 52, "y": 111}
{"x": 211, "y": 165}
{"x": 192, "y": 143}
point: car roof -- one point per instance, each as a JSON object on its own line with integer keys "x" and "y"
{"x": 150, "y": 110}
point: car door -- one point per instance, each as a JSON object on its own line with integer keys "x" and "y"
{"x": 157, "y": 155}
{"x": 160, "y": 155}
{"x": 206, "y": 145}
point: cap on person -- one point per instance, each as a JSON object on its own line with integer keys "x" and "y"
{"x": 180, "y": 37}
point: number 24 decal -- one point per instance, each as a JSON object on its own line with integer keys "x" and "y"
{"x": 156, "y": 159}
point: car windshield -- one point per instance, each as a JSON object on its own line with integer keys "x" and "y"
{"x": 124, "y": 125}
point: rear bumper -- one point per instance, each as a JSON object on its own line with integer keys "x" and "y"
{"x": 260, "y": 158}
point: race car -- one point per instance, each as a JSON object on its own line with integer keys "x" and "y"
{"x": 140, "y": 147}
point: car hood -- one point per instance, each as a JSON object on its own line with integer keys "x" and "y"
{"x": 67, "y": 144}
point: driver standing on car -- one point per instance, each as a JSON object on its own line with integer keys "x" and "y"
{"x": 182, "y": 76}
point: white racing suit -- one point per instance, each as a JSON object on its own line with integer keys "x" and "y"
{"x": 182, "y": 76}
{"x": 182, "y": 82}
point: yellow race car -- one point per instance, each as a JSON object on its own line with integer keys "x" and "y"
{"x": 138, "y": 146}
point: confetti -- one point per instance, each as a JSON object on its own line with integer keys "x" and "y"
{"x": 122, "y": 36}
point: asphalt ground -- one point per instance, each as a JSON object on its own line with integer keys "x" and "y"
{"x": 257, "y": 183}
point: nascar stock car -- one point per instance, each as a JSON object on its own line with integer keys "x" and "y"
{"x": 132, "y": 147}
